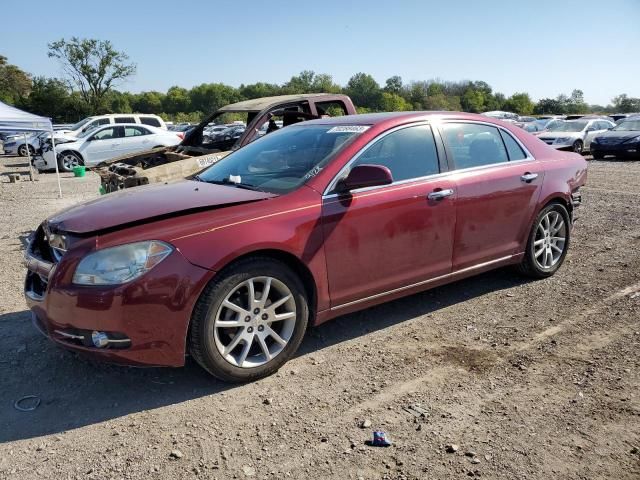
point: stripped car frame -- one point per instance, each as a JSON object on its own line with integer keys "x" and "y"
{"x": 195, "y": 154}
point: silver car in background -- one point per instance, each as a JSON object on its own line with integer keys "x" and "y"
{"x": 575, "y": 135}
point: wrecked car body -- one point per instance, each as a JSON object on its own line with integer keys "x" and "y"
{"x": 199, "y": 150}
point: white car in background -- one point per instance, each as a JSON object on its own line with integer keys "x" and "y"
{"x": 104, "y": 143}
{"x": 90, "y": 123}
{"x": 575, "y": 135}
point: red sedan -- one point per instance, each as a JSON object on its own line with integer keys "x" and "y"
{"x": 307, "y": 223}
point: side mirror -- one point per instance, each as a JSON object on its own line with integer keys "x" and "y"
{"x": 365, "y": 176}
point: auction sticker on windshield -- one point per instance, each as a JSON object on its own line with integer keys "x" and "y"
{"x": 349, "y": 129}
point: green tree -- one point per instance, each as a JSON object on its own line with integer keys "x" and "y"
{"x": 472, "y": 100}
{"x": 393, "y": 85}
{"x": 519, "y": 103}
{"x": 14, "y": 83}
{"x": 260, "y": 89}
{"x": 548, "y": 106}
{"x": 148, "y": 102}
{"x": 392, "y": 102}
{"x": 94, "y": 66}
{"x": 176, "y": 100}
{"x": 49, "y": 97}
{"x": 625, "y": 104}
{"x": 209, "y": 97}
{"x": 364, "y": 91}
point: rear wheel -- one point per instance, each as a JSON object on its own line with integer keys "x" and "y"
{"x": 67, "y": 160}
{"x": 249, "y": 321}
{"x": 548, "y": 242}
{"x": 578, "y": 146}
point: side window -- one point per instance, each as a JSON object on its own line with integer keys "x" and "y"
{"x": 474, "y": 145}
{"x": 408, "y": 153}
{"x": 135, "y": 131}
{"x": 153, "y": 121}
{"x": 105, "y": 134}
{"x": 513, "y": 149}
{"x": 335, "y": 108}
{"x": 124, "y": 120}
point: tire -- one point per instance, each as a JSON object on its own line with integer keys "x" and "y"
{"x": 578, "y": 146}
{"x": 22, "y": 150}
{"x": 218, "y": 344}
{"x": 540, "y": 266}
{"x": 67, "y": 160}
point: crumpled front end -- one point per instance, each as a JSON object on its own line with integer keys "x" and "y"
{"x": 143, "y": 322}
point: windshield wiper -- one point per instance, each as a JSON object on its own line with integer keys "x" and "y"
{"x": 229, "y": 183}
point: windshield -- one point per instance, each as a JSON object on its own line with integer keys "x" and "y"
{"x": 80, "y": 124}
{"x": 283, "y": 160}
{"x": 88, "y": 131}
{"x": 628, "y": 126}
{"x": 568, "y": 127}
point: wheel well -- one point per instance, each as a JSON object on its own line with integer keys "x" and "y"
{"x": 562, "y": 202}
{"x": 78, "y": 154}
{"x": 296, "y": 265}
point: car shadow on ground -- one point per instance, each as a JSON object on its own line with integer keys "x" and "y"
{"x": 75, "y": 392}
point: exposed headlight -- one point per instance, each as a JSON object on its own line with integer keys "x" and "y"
{"x": 118, "y": 265}
{"x": 562, "y": 140}
{"x": 634, "y": 139}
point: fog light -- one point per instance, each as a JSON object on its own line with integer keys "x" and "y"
{"x": 99, "y": 339}
{"x": 632, "y": 150}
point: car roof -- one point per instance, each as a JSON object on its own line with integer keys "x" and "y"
{"x": 400, "y": 117}
{"x": 258, "y": 104}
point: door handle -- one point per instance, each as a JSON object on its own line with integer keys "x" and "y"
{"x": 529, "y": 177}
{"x": 440, "y": 194}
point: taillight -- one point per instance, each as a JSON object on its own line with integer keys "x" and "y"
{"x": 181, "y": 135}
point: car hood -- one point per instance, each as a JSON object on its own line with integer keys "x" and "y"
{"x": 149, "y": 203}
{"x": 618, "y": 136}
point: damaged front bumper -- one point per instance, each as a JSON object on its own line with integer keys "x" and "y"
{"x": 141, "y": 323}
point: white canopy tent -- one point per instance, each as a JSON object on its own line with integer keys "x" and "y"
{"x": 16, "y": 120}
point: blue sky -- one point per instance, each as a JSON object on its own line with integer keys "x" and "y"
{"x": 544, "y": 47}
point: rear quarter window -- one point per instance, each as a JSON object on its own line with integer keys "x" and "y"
{"x": 124, "y": 120}
{"x": 513, "y": 149}
{"x": 154, "y": 122}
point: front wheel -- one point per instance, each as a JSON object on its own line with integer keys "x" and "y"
{"x": 22, "y": 150}
{"x": 578, "y": 146}
{"x": 68, "y": 160}
{"x": 250, "y": 321}
{"x": 548, "y": 242}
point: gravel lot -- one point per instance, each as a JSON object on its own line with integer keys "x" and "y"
{"x": 533, "y": 380}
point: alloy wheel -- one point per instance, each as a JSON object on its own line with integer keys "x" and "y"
{"x": 255, "y": 322}
{"x": 550, "y": 240}
{"x": 69, "y": 161}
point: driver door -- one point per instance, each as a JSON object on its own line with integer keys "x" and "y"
{"x": 383, "y": 238}
{"x": 102, "y": 145}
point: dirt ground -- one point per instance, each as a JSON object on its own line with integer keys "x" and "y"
{"x": 535, "y": 380}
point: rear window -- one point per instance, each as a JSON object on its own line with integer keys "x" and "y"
{"x": 153, "y": 121}
{"x": 124, "y": 120}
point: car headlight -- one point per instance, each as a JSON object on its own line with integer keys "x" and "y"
{"x": 121, "y": 264}
{"x": 632, "y": 140}
{"x": 562, "y": 140}
{"x": 595, "y": 140}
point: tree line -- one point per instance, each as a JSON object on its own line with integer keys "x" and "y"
{"x": 93, "y": 69}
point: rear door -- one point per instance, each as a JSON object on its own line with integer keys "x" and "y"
{"x": 382, "y": 238}
{"x": 135, "y": 139}
{"x": 497, "y": 185}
